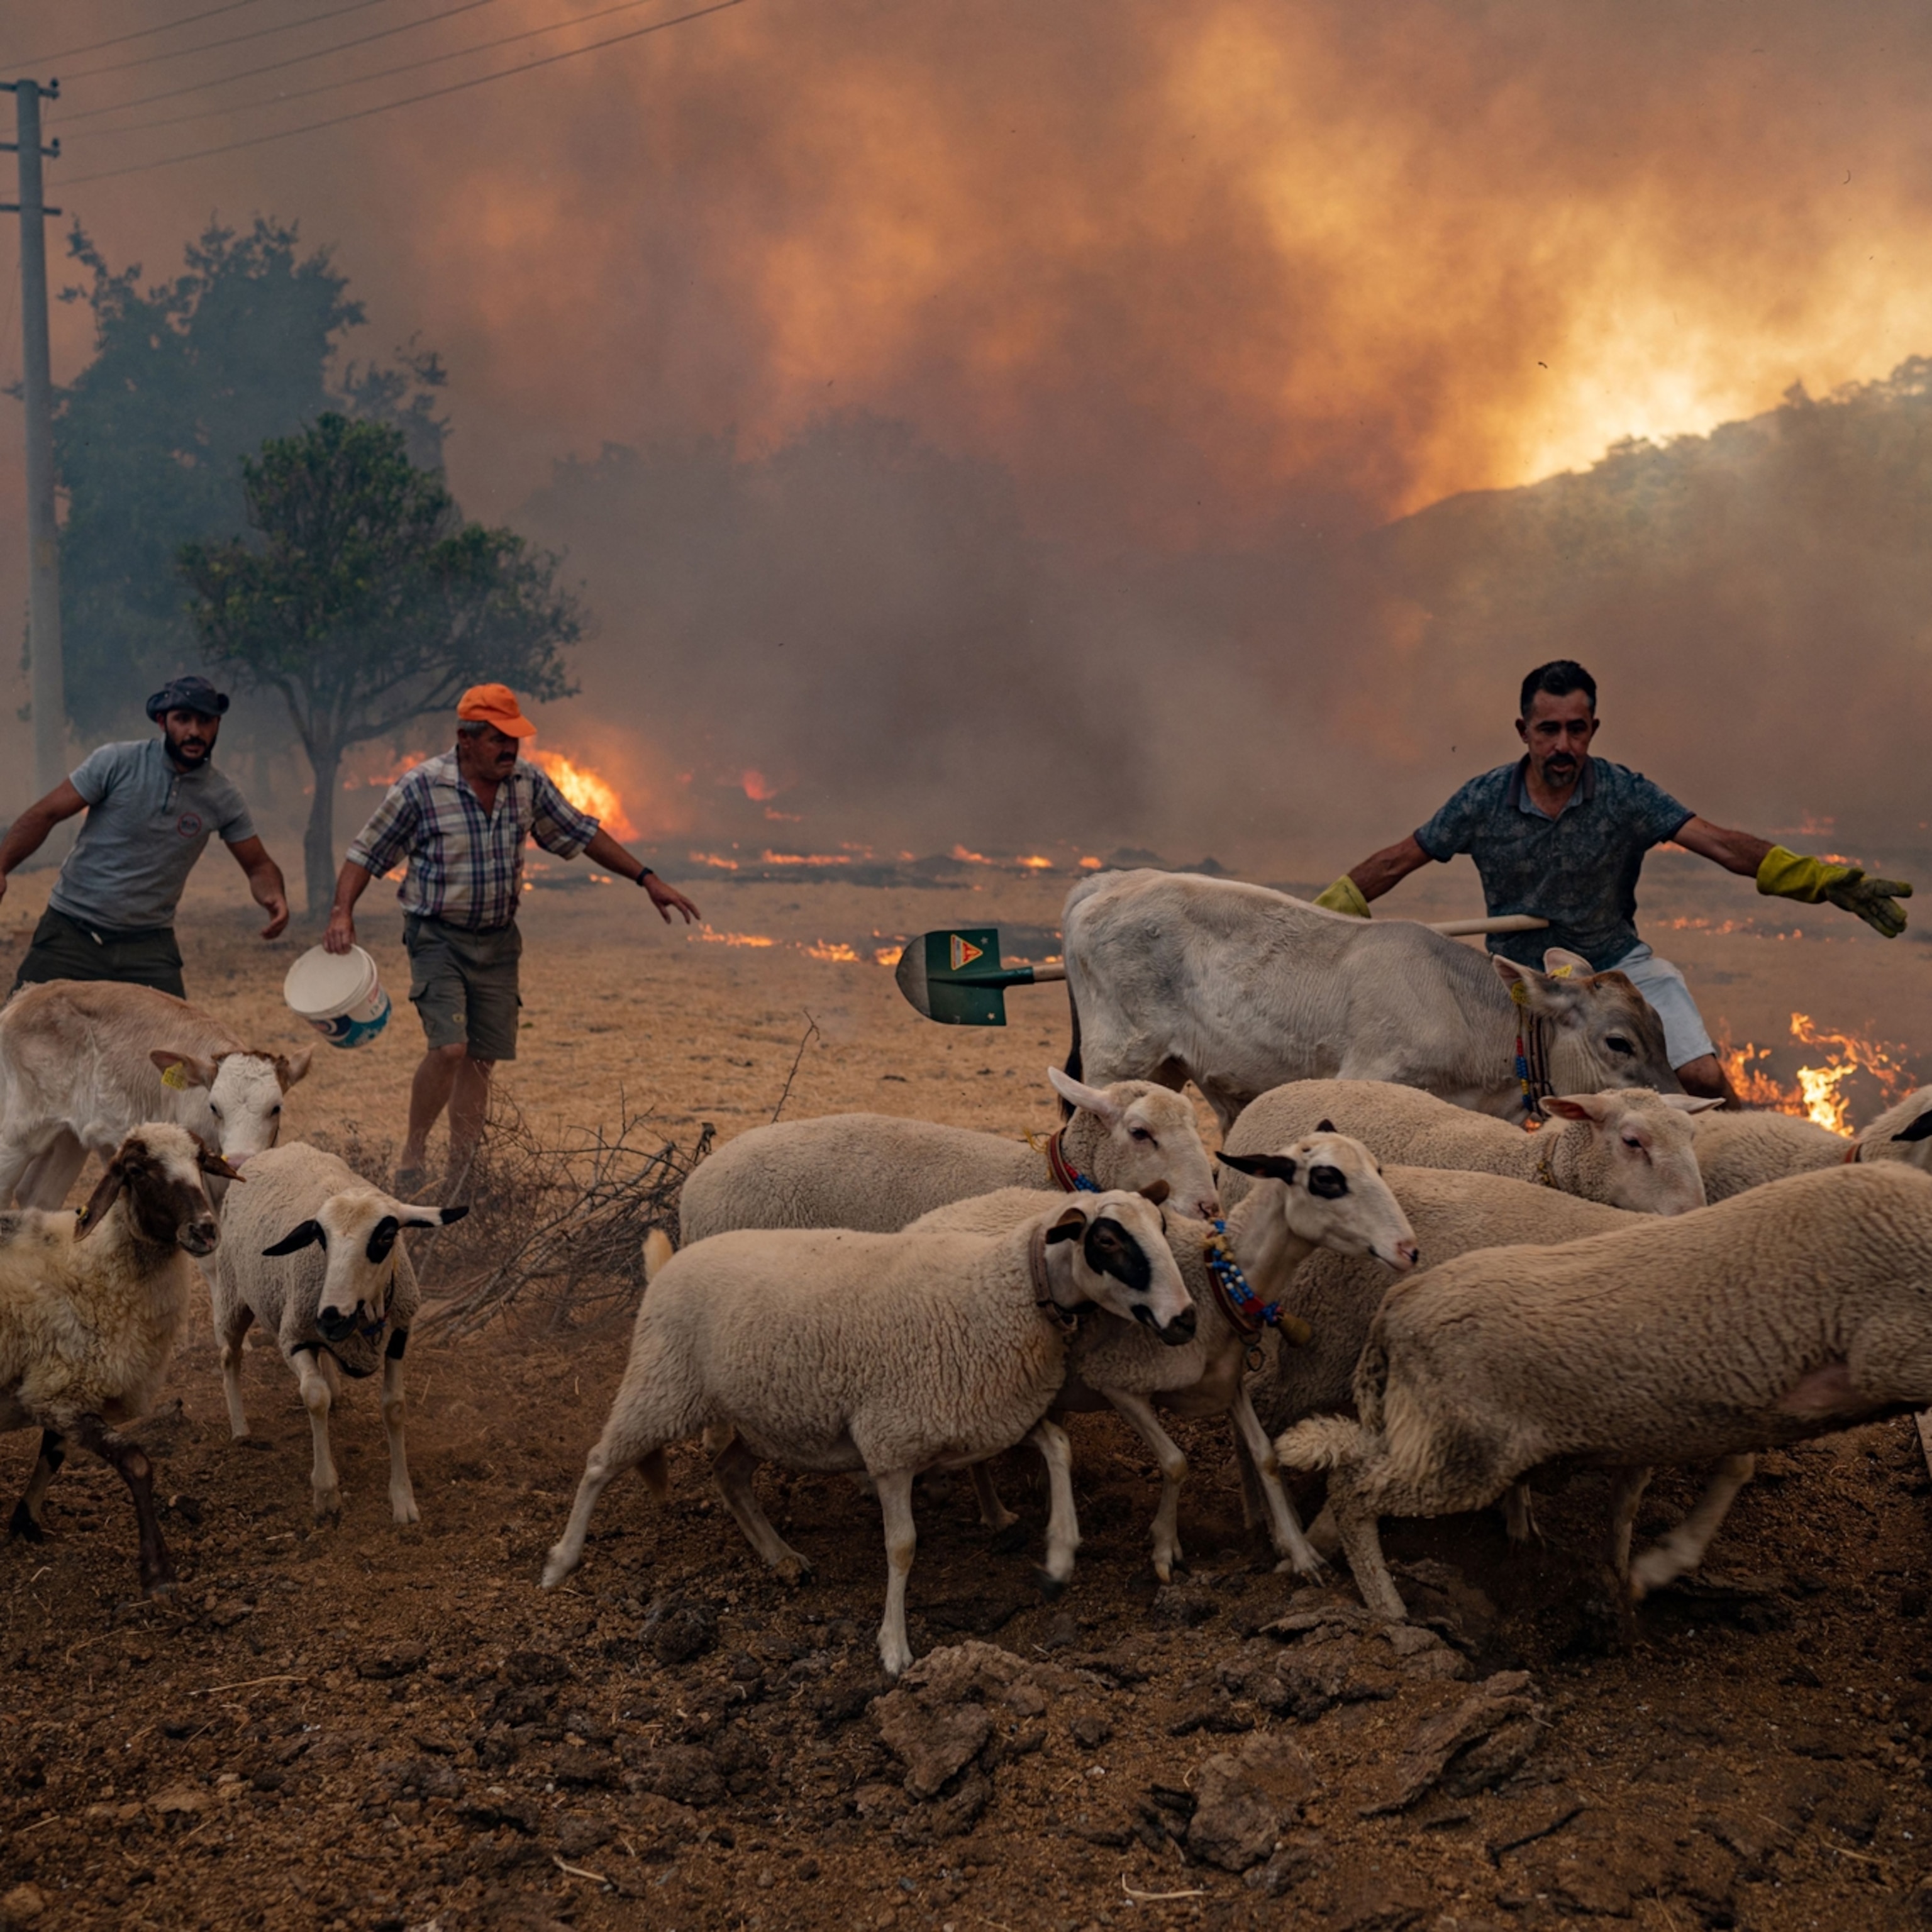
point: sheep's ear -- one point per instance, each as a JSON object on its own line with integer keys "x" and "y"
{"x": 1262, "y": 1166}
{"x": 1156, "y": 1191}
{"x": 291, "y": 1067}
{"x": 1326, "y": 1127}
{"x": 1575, "y": 1106}
{"x": 1096, "y": 1100}
{"x": 1690, "y": 1103}
{"x": 106, "y": 1191}
{"x": 1918, "y": 1129}
{"x": 1071, "y": 1226}
{"x": 299, "y": 1237}
{"x": 429, "y": 1217}
{"x": 181, "y": 1071}
{"x": 210, "y": 1161}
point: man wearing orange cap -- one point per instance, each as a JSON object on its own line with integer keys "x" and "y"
{"x": 461, "y": 820}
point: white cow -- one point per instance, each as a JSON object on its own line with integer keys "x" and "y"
{"x": 1174, "y": 977}
{"x": 82, "y": 1062}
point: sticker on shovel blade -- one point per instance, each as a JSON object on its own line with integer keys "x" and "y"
{"x": 965, "y": 952}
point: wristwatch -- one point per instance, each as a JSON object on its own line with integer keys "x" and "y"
{"x": 645, "y": 873}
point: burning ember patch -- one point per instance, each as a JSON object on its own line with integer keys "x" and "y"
{"x": 1815, "y": 1095}
{"x": 589, "y": 790}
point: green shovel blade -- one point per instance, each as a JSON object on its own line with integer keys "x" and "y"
{"x": 954, "y": 976}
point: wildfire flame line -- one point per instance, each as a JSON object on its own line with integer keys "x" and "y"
{"x": 1816, "y": 1095}
{"x": 589, "y": 790}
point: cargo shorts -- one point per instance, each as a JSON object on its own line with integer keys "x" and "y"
{"x": 464, "y": 984}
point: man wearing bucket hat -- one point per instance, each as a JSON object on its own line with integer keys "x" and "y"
{"x": 461, "y": 820}
{"x": 151, "y": 807}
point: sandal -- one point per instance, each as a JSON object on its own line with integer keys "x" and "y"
{"x": 410, "y": 1181}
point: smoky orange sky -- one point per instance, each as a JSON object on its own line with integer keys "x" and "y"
{"x": 1190, "y": 274}
{"x": 1179, "y": 266}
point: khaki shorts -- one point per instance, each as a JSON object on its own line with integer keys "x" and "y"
{"x": 464, "y": 986}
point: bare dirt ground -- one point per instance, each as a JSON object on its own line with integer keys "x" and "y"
{"x": 362, "y": 1725}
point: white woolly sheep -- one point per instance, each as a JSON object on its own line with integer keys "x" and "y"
{"x": 82, "y": 1063}
{"x": 1740, "y": 1150}
{"x": 1628, "y": 1148}
{"x": 1335, "y": 1297}
{"x": 877, "y": 1172}
{"x": 829, "y": 1350}
{"x": 90, "y": 1307}
{"x": 330, "y": 1311}
{"x": 1793, "y": 1310}
{"x": 1323, "y": 1192}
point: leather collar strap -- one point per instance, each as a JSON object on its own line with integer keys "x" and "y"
{"x": 1854, "y": 1154}
{"x": 1064, "y": 1319}
{"x": 1067, "y": 1176}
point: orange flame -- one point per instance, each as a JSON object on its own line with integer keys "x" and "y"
{"x": 1033, "y": 862}
{"x": 834, "y": 949}
{"x": 1815, "y": 1095}
{"x": 757, "y": 786}
{"x": 589, "y": 791}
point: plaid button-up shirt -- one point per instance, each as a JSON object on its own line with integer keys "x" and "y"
{"x": 466, "y": 865}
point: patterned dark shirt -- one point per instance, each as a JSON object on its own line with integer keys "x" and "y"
{"x": 1578, "y": 870}
{"x": 466, "y": 867}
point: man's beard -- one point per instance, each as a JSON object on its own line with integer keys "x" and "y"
{"x": 189, "y": 760}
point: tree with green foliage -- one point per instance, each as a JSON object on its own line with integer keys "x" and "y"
{"x": 188, "y": 378}
{"x": 367, "y": 602}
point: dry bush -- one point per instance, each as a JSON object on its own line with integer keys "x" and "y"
{"x": 566, "y": 1219}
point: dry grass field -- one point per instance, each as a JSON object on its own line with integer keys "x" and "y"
{"x": 363, "y": 1726}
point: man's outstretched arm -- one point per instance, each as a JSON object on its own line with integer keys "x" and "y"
{"x": 1380, "y": 871}
{"x": 1781, "y": 874}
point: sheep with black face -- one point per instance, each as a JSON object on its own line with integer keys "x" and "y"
{"x": 315, "y": 1253}
{"x": 831, "y": 1350}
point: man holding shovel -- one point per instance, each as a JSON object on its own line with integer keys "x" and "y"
{"x": 1562, "y": 836}
{"x": 461, "y": 820}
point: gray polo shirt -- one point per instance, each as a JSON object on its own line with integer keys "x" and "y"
{"x": 146, "y": 825}
{"x": 1578, "y": 870}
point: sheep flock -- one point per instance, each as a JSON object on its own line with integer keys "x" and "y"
{"x": 1322, "y": 1521}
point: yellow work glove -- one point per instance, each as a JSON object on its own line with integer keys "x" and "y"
{"x": 1344, "y": 896}
{"x": 1791, "y": 875}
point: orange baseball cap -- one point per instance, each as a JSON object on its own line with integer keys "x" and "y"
{"x": 494, "y": 704}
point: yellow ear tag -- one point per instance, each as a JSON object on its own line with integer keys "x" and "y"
{"x": 1563, "y": 972}
{"x": 1520, "y": 992}
{"x": 176, "y": 1077}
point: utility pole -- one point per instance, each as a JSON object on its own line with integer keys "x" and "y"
{"x": 48, "y": 688}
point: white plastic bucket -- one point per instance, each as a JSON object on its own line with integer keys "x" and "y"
{"x": 339, "y": 994}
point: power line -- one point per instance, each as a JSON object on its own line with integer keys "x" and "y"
{"x": 139, "y": 33}
{"x": 408, "y": 100}
{"x": 233, "y": 40}
{"x": 275, "y": 66}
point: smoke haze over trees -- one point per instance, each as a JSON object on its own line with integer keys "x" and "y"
{"x": 188, "y": 377}
{"x": 865, "y": 623}
{"x": 365, "y": 603}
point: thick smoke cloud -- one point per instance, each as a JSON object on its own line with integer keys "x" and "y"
{"x": 1037, "y": 375}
